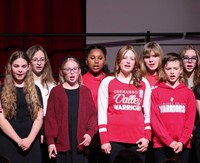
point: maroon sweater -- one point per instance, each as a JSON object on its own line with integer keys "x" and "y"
{"x": 56, "y": 121}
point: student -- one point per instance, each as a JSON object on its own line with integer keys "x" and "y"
{"x": 124, "y": 107}
{"x": 151, "y": 68}
{"x": 71, "y": 119}
{"x": 150, "y": 62}
{"x": 21, "y": 115}
{"x": 42, "y": 71}
{"x": 191, "y": 65}
{"x": 172, "y": 113}
{"x": 197, "y": 131}
{"x": 95, "y": 58}
{"x": 43, "y": 78}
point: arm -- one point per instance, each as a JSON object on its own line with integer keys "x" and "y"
{"x": 50, "y": 124}
{"x": 102, "y": 115}
{"x": 7, "y": 128}
{"x": 157, "y": 124}
{"x": 190, "y": 111}
{"x": 37, "y": 124}
{"x": 146, "y": 109}
{"x": 198, "y": 107}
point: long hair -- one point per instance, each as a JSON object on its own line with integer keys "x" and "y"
{"x": 47, "y": 76}
{"x": 196, "y": 80}
{"x": 156, "y": 48}
{"x": 8, "y": 96}
{"x": 136, "y": 74}
{"x": 65, "y": 60}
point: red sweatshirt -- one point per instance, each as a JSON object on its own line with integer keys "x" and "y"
{"x": 172, "y": 114}
{"x": 93, "y": 84}
{"x": 56, "y": 121}
{"x": 123, "y": 111}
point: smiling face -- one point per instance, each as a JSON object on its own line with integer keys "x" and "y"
{"x": 127, "y": 63}
{"x": 19, "y": 68}
{"x": 71, "y": 72}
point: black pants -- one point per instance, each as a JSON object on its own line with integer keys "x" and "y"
{"x": 161, "y": 154}
{"x": 116, "y": 148}
{"x": 197, "y": 149}
{"x": 96, "y": 155}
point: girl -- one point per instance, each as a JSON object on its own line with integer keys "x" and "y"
{"x": 71, "y": 120}
{"x": 95, "y": 58}
{"x": 21, "y": 114}
{"x": 42, "y": 71}
{"x": 151, "y": 68}
{"x": 191, "y": 65}
{"x": 172, "y": 113}
{"x": 124, "y": 107}
{"x": 150, "y": 62}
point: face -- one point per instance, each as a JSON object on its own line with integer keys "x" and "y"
{"x": 38, "y": 62}
{"x": 172, "y": 72}
{"x": 19, "y": 70}
{"x": 71, "y": 72}
{"x": 190, "y": 60}
{"x": 96, "y": 61}
{"x": 127, "y": 63}
{"x": 152, "y": 62}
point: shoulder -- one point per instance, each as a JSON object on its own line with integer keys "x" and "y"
{"x": 108, "y": 79}
{"x": 57, "y": 88}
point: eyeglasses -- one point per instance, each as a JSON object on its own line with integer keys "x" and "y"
{"x": 188, "y": 59}
{"x": 69, "y": 70}
{"x": 36, "y": 60}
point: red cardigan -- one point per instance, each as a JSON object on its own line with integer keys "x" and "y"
{"x": 56, "y": 121}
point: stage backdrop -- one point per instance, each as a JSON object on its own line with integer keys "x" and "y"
{"x": 25, "y": 23}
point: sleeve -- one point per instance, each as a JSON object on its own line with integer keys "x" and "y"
{"x": 157, "y": 124}
{"x": 50, "y": 125}
{"x": 102, "y": 110}
{"x": 146, "y": 109}
{"x": 92, "y": 127}
{"x": 189, "y": 119}
{"x": 197, "y": 92}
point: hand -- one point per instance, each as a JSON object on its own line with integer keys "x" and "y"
{"x": 179, "y": 147}
{"x": 25, "y": 144}
{"x": 173, "y": 144}
{"x": 52, "y": 151}
{"x": 86, "y": 140}
{"x": 42, "y": 139}
{"x": 142, "y": 144}
{"x": 106, "y": 148}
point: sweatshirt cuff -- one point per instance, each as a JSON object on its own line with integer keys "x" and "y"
{"x": 104, "y": 138}
{"x": 148, "y": 134}
{"x": 50, "y": 141}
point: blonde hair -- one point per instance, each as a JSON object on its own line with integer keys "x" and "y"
{"x": 146, "y": 50}
{"x": 8, "y": 96}
{"x": 136, "y": 74}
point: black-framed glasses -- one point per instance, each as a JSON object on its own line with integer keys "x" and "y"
{"x": 69, "y": 70}
{"x": 190, "y": 59}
